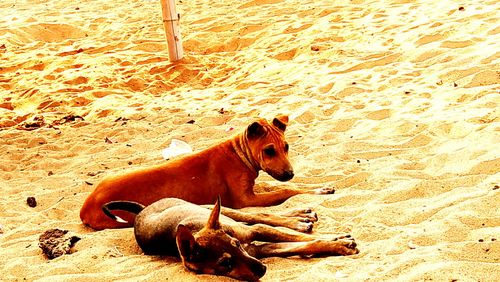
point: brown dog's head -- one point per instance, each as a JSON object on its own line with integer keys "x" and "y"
{"x": 269, "y": 148}
{"x": 213, "y": 251}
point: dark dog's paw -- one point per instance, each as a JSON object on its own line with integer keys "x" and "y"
{"x": 324, "y": 191}
{"x": 348, "y": 247}
{"x": 335, "y": 247}
{"x": 297, "y": 224}
{"x": 305, "y": 227}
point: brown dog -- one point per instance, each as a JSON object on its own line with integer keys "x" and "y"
{"x": 228, "y": 169}
{"x": 223, "y": 245}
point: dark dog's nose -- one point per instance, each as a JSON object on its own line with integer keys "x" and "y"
{"x": 259, "y": 269}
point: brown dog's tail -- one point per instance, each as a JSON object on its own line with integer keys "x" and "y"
{"x": 128, "y": 206}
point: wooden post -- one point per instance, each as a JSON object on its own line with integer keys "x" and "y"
{"x": 171, "y": 25}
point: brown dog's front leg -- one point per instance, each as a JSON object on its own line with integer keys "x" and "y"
{"x": 311, "y": 248}
{"x": 270, "y": 198}
{"x": 279, "y": 196}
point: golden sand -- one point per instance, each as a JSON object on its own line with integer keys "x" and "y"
{"x": 393, "y": 103}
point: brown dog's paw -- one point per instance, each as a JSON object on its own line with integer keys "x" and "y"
{"x": 324, "y": 191}
{"x": 304, "y": 215}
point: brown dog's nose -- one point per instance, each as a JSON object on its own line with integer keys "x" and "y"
{"x": 287, "y": 175}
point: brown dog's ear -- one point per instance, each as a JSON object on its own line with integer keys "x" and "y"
{"x": 185, "y": 243}
{"x": 213, "y": 220}
{"x": 255, "y": 130}
{"x": 281, "y": 122}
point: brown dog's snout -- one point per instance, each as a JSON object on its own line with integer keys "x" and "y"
{"x": 284, "y": 176}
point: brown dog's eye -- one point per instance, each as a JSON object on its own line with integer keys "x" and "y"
{"x": 286, "y": 147}
{"x": 270, "y": 151}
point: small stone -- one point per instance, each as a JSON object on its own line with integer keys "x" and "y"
{"x": 31, "y": 202}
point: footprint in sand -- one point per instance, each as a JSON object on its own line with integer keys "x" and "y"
{"x": 427, "y": 55}
{"x": 380, "y": 114}
{"x": 484, "y": 78}
{"x": 136, "y": 84}
{"x": 291, "y": 29}
{"x": 77, "y": 80}
{"x": 426, "y": 39}
{"x": 47, "y": 32}
{"x": 258, "y": 3}
{"x": 305, "y": 118}
{"x": 418, "y": 141}
{"x": 348, "y": 91}
{"x": 324, "y": 89}
{"x": 36, "y": 141}
{"x": 370, "y": 62}
{"x": 251, "y": 28}
{"x": 343, "y": 125}
{"x": 457, "y": 44}
{"x": 490, "y": 167}
{"x": 234, "y": 44}
{"x": 287, "y": 55}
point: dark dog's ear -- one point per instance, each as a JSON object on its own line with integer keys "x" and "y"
{"x": 185, "y": 243}
{"x": 255, "y": 130}
{"x": 281, "y": 122}
{"x": 213, "y": 220}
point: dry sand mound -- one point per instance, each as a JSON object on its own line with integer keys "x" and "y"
{"x": 394, "y": 103}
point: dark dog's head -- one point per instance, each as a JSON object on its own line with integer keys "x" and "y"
{"x": 213, "y": 251}
{"x": 269, "y": 148}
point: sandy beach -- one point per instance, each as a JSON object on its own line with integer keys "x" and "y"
{"x": 394, "y": 103}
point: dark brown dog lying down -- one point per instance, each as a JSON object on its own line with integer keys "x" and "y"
{"x": 228, "y": 169}
{"x": 210, "y": 243}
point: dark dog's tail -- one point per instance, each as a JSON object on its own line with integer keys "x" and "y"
{"x": 128, "y": 206}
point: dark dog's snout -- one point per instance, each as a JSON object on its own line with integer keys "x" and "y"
{"x": 259, "y": 269}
